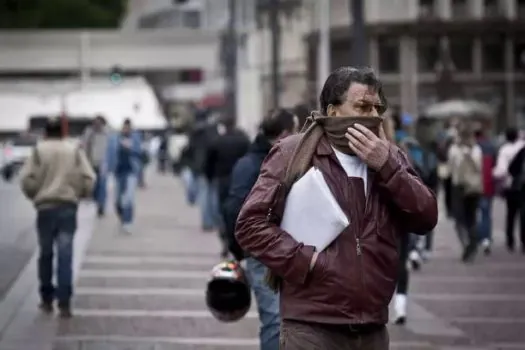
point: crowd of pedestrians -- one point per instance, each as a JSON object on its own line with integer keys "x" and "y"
{"x": 59, "y": 174}
{"x": 384, "y": 181}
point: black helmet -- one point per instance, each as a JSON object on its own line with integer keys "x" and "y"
{"x": 228, "y": 294}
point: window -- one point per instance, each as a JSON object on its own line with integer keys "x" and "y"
{"x": 459, "y": 8}
{"x": 162, "y": 19}
{"x": 493, "y": 54}
{"x": 519, "y": 55}
{"x": 191, "y": 19}
{"x": 388, "y": 52}
{"x": 493, "y": 8}
{"x": 427, "y": 9}
{"x": 461, "y": 49}
{"x": 191, "y": 76}
{"x": 427, "y": 54}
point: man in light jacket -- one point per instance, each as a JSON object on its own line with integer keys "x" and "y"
{"x": 55, "y": 177}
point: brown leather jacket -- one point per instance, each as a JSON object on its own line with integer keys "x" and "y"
{"x": 353, "y": 279}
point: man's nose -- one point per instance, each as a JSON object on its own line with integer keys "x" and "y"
{"x": 373, "y": 112}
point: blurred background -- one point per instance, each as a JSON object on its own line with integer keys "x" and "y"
{"x": 173, "y": 67}
{"x": 160, "y": 61}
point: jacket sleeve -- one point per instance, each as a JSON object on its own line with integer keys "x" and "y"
{"x": 30, "y": 177}
{"x": 87, "y": 175}
{"x": 242, "y": 180}
{"x": 515, "y": 166}
{"x": 260, "y": 236}
{"x": 416, "y": 203}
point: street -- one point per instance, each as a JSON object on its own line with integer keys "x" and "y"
{"x": 146, "y": 291}
{"x": 17, "y": 235}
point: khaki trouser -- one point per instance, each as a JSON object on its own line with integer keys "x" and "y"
{"x": 311, "y": 336}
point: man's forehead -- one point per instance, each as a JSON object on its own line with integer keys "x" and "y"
{"x": 362, "y": 92}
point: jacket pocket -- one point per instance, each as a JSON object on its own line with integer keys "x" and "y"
{"x": 318, "y": 272}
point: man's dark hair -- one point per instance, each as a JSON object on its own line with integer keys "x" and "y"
{"x": 53, "y": 127}
{"x": 127, "y": 122}
{"x": 101, "y": 119}
{"x": 511, "y": 134}
{"x": 228, "y": 122}
{"x": 276, "y": 123}
{"x": 337, "y": 84}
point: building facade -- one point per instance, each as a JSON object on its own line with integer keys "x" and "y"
{"x": 485, "y": 39}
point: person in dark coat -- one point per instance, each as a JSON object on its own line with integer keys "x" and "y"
{"x": 230, "y": 144}
{"x": 244, "y": 175}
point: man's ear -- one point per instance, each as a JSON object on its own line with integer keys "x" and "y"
{"x": 331, "y": 111}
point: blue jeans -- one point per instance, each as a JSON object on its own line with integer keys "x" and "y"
{"x": 100, "y": 190}
{"x": 209, "y": 204}
{"x": 125, "y": 196}
{"x": 485, "y": 222}
{"x": 190, "y": 185}
{"x": 267, "y": 305}
{"x": 56, "y": 226}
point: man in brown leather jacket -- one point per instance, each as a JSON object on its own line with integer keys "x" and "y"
{"x": 338, "y": 298}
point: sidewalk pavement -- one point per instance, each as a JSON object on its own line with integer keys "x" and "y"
{"x": 146, "y": 291}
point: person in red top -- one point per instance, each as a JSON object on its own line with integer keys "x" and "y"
{"x": 485, "y": 204}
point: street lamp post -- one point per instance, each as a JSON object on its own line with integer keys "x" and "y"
{"x": 359, "y": 47}
{"x": 231, "y": 61}
{"x": 323, "y": 51}
{"x": 275, "y": 29}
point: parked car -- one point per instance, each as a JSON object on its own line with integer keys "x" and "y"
{"x": 14, "y": 154}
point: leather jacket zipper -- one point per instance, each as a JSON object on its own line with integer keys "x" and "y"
{"x": 359, "y": 251}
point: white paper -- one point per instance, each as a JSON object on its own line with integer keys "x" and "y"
{"x": 312, "y": 215}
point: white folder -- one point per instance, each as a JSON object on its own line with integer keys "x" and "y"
{"x": 312, "y": 215}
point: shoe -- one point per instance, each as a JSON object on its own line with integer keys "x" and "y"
{"x": 486, "y": 245}
{"x": 126, "y": 229}
{"x": 100, "y": 212}
{"x": 65, "y": 311}
{"x": 46, "y": 307}
{"x": 415, "y": 260}
{"x": 400, "y": 309}
{"x": 469, "y": 253}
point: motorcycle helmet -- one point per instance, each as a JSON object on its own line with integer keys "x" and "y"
{"x": 228, "y": 294}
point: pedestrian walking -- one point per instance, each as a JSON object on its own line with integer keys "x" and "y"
{"x": 230, "y": 144}
{"x": 96, "y": 144}
{"x": 510, "y": 184}
{"x": 465, "y": 160}
{"x": 488, "y": 151}
{"x": 516, "y": 199}
{"x": 55, "y": 177}
{"x": 244, "y": 175}
{"x": 338, "y": 297}
{"x": 125, "y": 163}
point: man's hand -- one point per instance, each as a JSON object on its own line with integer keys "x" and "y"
{"x": 367, "y": 146}
{"x": 126, "y": 143}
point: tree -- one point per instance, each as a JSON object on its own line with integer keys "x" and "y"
{"x": 61, "y": 14}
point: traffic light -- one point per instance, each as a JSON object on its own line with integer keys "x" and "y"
{"x": 116, "y": 75}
